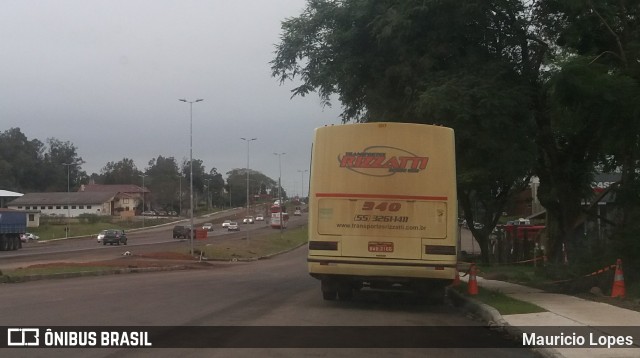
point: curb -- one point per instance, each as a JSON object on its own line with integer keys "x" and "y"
{"x": 494, "y": 320}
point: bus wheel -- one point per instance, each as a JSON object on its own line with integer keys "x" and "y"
{"x": 329, "y": 290}
{"x": 345, "y": 292}
{"x": 432, "y": 293}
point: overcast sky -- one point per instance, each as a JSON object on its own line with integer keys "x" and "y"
{"x": 107, "y": 75}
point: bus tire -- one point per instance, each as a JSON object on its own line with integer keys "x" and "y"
{"x": 329, "y": 290}
{"x": 345, "y": 292}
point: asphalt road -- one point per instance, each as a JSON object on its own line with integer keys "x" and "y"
{"x": 270, "y": 295}
{"x": 151, "y": 239}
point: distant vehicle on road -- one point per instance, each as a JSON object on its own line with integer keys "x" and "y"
{"x": 233, "y": 226}
{"x": 259, "y": 218}
{"x": 114, "y": 236}
{"x": 13, "y": 224}
{"x": 297, "y": 212}
{"x": 248, "y": 220}
{"x": 27, "y": 236}
{"x": 100, "y": 236}
{"x": 226, "y": 223}
{"x": 181, "y": 232}
{"x": 207, "y": 226}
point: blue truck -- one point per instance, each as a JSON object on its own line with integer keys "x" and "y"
{"x": 13, "y": 223}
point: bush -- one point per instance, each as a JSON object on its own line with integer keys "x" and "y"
{"x": 89, "y": 218}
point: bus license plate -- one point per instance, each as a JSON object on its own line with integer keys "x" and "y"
{"x": 378, "y": 246}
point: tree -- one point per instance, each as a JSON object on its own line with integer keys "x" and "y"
{"x": 163, "y": 179}
{"x": 237, "y": 184}
{"x": 122, "y": 172}
{"x": 461, "y": 64}
{"x": 594, "y": 102}
{"x": 20, "y": 161}
{"x": 59, "y": 176}
{"x": 215, "y": 187}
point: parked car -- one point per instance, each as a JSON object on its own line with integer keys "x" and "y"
{"x": 100, "y": 236}
{"x": 149, "y": 213}
{"x": 233, "y": 226}
{"x": 207, "y": 226}
{"x": 259, "y": 218}
{"x": 114, "y": 236}
{"x": 248, "y": 220}
{"x": 182, "y": 232}
{"x": 226, "y": 223}
{"x": 27, "y": 236}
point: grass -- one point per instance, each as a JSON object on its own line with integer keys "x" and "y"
{"x": 256, "y": 246}
{"x": 504, "y": 304}
{"x": 54, "y": 229}
{"x": 581, "y": 287}
{"x": 524, "y": 274}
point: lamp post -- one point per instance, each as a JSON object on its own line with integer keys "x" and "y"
{"x": 248, "y": 141}
{"x": 191, "y": 165}
{"x": 302, "y": 188}
{"x": 279, "y": 187}
{"x": 180, "y": 195}
{"x": 66, "y": 230}
{"x": 208, "y": 194}
{"x": 143, "y": 210}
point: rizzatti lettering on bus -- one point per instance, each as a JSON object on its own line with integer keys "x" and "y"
{"x": 383, "y": 161}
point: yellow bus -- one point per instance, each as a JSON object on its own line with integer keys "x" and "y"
{"x": 383, "y": 208}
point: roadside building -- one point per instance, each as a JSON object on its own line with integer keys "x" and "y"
{"x": 65, "y": 204}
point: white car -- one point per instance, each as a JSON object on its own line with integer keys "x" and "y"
{"x": 207, "y": 226}
{"x": 226, "y": 223}
{"x": 259, "y": 218}
{"x": 297, "y": 213}
{"x": 27, "y": 236}
{"x": 101, "y": 236}
{"x": 233, "y": 226}
{"x": 248, "y": 220}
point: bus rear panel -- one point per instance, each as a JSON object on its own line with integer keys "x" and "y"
{"x": 383, "y": 208}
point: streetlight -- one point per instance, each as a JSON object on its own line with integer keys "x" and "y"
{"x": 302, "y": 188}
{"x": 280, "y": 186}
{"x": 180, "y": 194}
{"x": 208, "y": 194}
{"x": 67, "y": 229}
{"x": 142, "y": 175}
{"x": 248, "y": 141}
{"x": 191, "y": 164}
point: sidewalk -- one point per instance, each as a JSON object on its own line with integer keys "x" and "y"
{"x": 581, "y": 315}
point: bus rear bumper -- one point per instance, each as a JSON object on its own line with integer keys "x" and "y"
{"x": 396, "y": 271}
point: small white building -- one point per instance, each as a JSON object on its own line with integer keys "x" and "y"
{"x": 67, "y": 204}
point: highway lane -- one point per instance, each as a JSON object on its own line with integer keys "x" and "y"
{"x": 272, "y": 292}
{"x": 152, "y": 239}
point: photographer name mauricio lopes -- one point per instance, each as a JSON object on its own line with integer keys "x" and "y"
{"x": 576, "y": 340}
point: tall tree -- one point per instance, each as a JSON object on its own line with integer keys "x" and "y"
{"x": 20, "y": 161}
{"x": 122, "y": 172}
{"x": 62, "y": 166}
{"x": 598, "y": 88}
{"x": 164, "y": 180}
{"x": 237, "y": 184}
{"x": 459, "y": 64}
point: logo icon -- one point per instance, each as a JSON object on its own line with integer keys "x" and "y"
{"x": 23, "y": 337}
{"x": 382, "y": 161}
